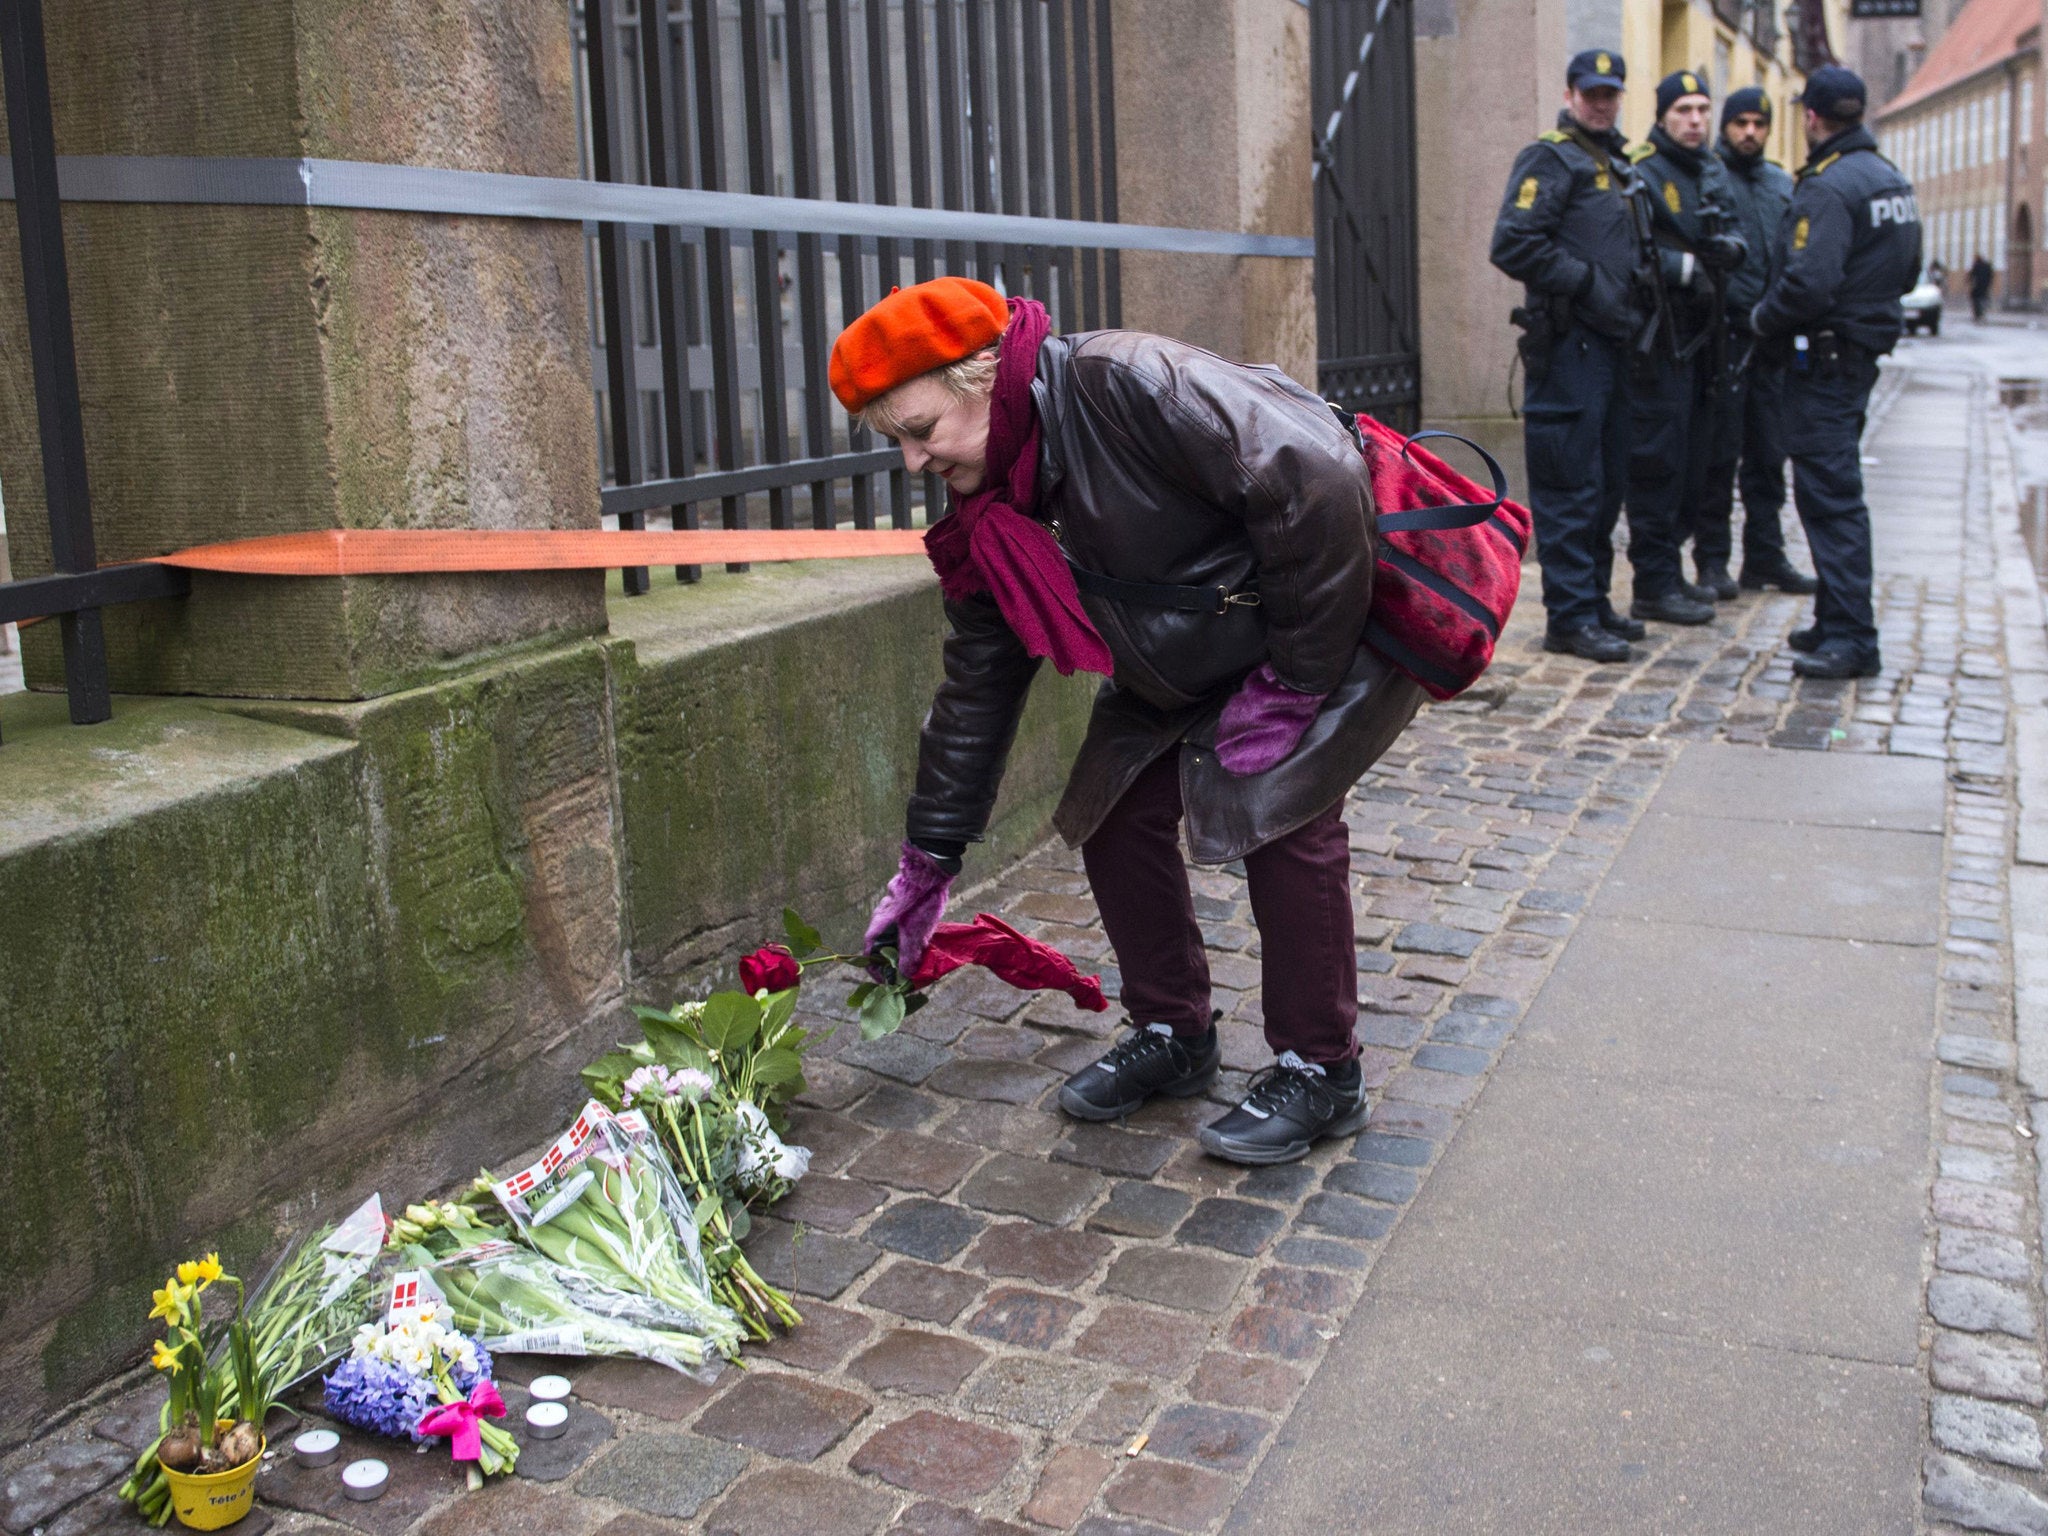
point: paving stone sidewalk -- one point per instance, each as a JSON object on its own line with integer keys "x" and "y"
{"x": 1015, "y": 1322}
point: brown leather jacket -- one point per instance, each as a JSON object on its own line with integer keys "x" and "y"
{"x": 1162, "y": 463}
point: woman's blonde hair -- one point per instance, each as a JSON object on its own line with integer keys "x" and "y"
{"x": 973, "y": 375}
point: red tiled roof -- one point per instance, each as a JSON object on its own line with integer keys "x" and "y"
{"x": 1986, "y": 33}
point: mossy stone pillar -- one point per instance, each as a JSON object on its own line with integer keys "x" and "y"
{"x": 261, "y": 370}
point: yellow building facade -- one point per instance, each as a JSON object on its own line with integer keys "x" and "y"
{"x": 1730, "y": 45}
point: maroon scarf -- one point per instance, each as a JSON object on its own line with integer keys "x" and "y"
{"x": 990, "y": 543}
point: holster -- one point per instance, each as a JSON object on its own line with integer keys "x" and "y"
{"x": 1542, "y": 326}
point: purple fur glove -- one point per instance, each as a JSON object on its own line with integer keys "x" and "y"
{"x": 1262, "y": 723}
{"x": 910, "y": 909}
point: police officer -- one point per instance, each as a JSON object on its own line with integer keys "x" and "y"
{"x": 1746, "y": 427}
{"x": 1571, "y": 230}
{"x": 1673, "y": 382}
{"x": 1849, "y": 249}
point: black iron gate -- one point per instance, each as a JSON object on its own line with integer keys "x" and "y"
{"x": 1363, "y": 59}
{"x": 718, "y": 337}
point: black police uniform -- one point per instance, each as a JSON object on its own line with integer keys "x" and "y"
{"x": 1673, "y": 383}
{"x": 1566, "y": 231}
{"x": 1747, "y": 431}
{"x": 1849, "y": 249}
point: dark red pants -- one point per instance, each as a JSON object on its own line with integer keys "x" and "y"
{"x": 1301, "y": 900}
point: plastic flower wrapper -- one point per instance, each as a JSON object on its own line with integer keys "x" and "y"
{"x": 604, "y": 1202}
{"x": 517, "y": 1302}
{"x": 767, "y": 1164}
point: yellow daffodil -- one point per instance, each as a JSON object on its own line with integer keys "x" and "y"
{"x": 164, "y": 1358}
{"x": 171, "y": 1301}
{"x": 200, "y": 1272}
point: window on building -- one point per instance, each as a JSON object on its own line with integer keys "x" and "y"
{"x": 1998, "y": 236}
{"x": 1974, "y": 143}
{"x": 2004, "y": 125}
{"x": 2027, "y": 111}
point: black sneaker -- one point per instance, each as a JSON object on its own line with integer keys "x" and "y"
{"x": 1288, "y": 1108}
{"x": 1150, "y": 1059}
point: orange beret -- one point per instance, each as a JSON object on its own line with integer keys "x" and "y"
{"x": 911, "y": 332}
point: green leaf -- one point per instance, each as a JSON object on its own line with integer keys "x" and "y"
{"x": 673, "y": 1045}
{"x": 780, "y": 1006}
{"x": 778, "y": 1067}
{"x": 605, "y": 1074}
{"x": 706, "y": 1209}
{"x": 803, "y": 938}
{"x": 861, "y": 993}
{"x": 881, "y": 1013}
{"x": 731, "y": 1019}
{"x": 915, "y": 1001}
{"x": 738, "y": 1218}
{"x": 653, "y": 1015}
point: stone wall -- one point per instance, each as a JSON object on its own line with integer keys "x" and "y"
{"x": 259, "y": 959}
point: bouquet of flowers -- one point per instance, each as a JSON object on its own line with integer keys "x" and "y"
{"x": 603, "y": 1202}
{"x": 412, "y": 1377}
{"x": 712, "y": 1080}
{"x": 513, "y": 1300}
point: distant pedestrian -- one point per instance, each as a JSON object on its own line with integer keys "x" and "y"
{"x": 1937, "y": 273}
{"x": 1848, "y": 251}
{"x": 1980, "y": 286}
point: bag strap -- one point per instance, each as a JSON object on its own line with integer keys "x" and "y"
{"x": 1216, "y": 599}
{"x": 1469, "y": 514}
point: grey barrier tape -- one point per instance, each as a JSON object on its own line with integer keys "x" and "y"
{"x": 494, "y": 194}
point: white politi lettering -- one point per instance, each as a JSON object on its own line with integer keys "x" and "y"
{"x": 1901, "y": 208}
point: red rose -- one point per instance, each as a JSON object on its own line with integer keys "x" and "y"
{"x": 772, "y": 967}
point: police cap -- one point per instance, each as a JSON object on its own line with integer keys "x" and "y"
{"x": 1835, "y": 93}
{"x": 1680, "y": 82}
{"x": 1595, "y": 67}
{"x": 1750, "y": 98}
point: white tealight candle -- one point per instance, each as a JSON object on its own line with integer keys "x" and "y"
{"x": 365, "y": 1479}
{"x": 548, "y": 1389}
{"x": 316, "y": 1447}
{"x": 544, "y": 1421}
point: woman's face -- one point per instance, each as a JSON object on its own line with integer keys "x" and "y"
{"x": 942, "y": 433}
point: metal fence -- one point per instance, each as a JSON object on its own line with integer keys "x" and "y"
{"x": 719, "y": 337}
{"x": 756, "y": 172}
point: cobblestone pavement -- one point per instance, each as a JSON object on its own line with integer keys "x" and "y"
{"x": 1017, "y": 1322}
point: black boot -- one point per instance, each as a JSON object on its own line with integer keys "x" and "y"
{"x": 1839, "y": 658}
{"x": 1150, "y": 1059}
{"x": 1615, "y": 624}
{"x": 1673, "y": 607}
{"x": 1779, "y": 573}
{"x": 1806, "y": 640}
{"x": 1588, "y": 641}
{"x": 1288, "y": 1108}
{"x": 1714, "y": 578}
{"x": 1694, "y": 592}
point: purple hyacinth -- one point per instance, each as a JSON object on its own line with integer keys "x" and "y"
{"x": 380, "y": 1397}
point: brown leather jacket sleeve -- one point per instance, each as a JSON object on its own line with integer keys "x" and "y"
{"x": 966, "y": 739}
{"x": 1258, "y": 445}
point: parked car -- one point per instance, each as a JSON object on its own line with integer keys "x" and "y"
{"x": 1923, "y": 307}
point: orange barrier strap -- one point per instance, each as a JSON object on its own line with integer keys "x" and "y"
{"x": 418, "y": 551}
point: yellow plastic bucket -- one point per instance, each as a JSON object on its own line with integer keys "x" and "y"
{"x": 209, "y": 1501}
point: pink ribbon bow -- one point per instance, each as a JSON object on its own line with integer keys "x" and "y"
{"x": 458, "y": 1421}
